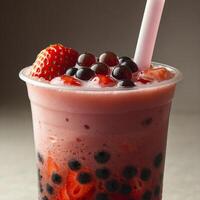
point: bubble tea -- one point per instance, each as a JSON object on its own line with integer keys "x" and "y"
{"x": 100, "y": 125}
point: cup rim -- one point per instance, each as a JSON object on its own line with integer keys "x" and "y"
{"x": 177, "y": 78}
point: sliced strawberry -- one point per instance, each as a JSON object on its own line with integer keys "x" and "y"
{"x": 137, "y": 188}
{"x": 77, "y": 191}
{"x": 62, "y": 194}
{"x": 144, "y": 80}
{"x": 51, "y": 166}
{"x": 104, "y": 81}
{"x": 68, "y": 80}
{"x": 54, "y": 61}
{"x": 154, "y": 74}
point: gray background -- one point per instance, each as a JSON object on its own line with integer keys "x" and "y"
{"x": 96, "y": 25}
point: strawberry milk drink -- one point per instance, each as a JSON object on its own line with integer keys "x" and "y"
{"x": 100, "y": 122}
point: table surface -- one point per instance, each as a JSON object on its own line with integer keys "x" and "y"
{"x": 17, "y": 166}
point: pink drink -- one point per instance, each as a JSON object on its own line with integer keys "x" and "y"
{"x": 103, "y": 144}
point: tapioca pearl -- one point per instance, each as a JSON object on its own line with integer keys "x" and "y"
{"x": 40, "y": 158}
{"x": 125, "y": 189}
{"x": 67, "y": 119}
{"x": 147, "y": 195}
{"x": 45, "y": 198}
{"x": 122, "y": 73}
{"x": 40, "y": 188}
{"x": 102, "y": 196}
{"x": 109, "y": 58}
{"x": 102, "y": 157}
{"x": 86, "y": 59}
{"x": 49, "y": 189}
{"x": 124, "y": 59}
{"x": 102, "y": 173}
{"x": 126, "y": 84}
{"x": 84, "y": 177}
{"x": 132, "y": 65}
{"x": 112, "y": 185}
{"x": 39, "y": 175}
{"x": 74, "y": 165}
{"x": 158, "y": 160}
{"x": 145, "y": 174}
{"x": 84, "y": 74}
{"x": 56, "y": 178}
{"x": 129, "y": 172}
{"x": 86, "y": 126}
{"x": 157, "y": 190}
{"x": 71, "y": 71}
{"x": 147, "y": 121}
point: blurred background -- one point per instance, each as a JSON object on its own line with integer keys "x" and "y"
{"x": 95, "y": 26}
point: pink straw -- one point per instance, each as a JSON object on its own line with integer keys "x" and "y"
{"x": 148, "y": 33}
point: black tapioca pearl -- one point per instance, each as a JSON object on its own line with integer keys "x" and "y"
{"x": 145, "y": 174}
{"x": 101, "y": 196}
{"x": 67, "y": 119}
{"x": 125, "y": 189}
{"x": 147, "y": 121}
{"x": 49, "y": 189}
{"x": 56, "y": 178}
{"x": 129, "y": 172}
{"x": 158, "y": 160}
{"x": 157, "y": 190}
{"x": 147, "y": 195}
{"x": 39, "y": 175}
{"x": 45, "y": 198}
{"x": 84, "y": 177}
{"x": 102, "y": 157}
{"x": 74, "y": 165}
{"x": 112, "y": 185}
{"x": 87, "y": 127}
{"x": 40, "y": 188}
{"x": 102, "y": 173}
{"x": 40, "y": 158}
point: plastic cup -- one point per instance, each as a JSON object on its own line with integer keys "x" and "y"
{"x": 100, "y": 143}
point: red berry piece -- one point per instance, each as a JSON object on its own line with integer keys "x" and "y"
{"x": 100, "y": 68}
{"x": 68, "y": 80}
{"x": 109, "y": 58}
{"x": 53, "y": 61}
{"x": 85, "y": 74}
{"x": 122, "y": 73}
{"x": 86, "y": 59}
{"x": 104, "y": 81}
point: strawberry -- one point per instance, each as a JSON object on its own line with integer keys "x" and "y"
{"x": 137, "y": 188}
{"x": 154, "y": 74}
{"x": 62, "y": 194}
{"x": 76, "y": 190}
{"x": 54, "y": 61}
{"x": 51, "y": 166}
{"x": 104, "y": 81}
{"x": 68, "y": 80}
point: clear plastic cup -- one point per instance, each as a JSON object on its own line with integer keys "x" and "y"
{"x": 100, "y": 144}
